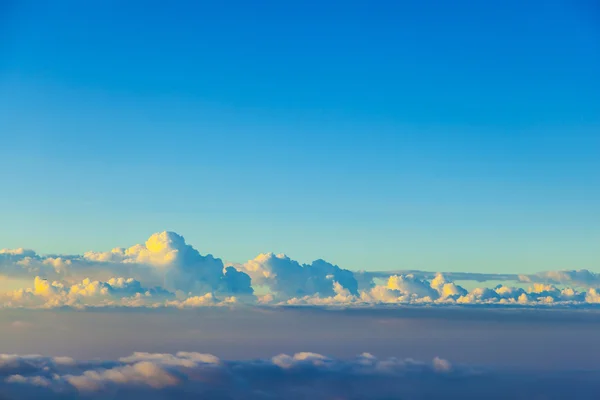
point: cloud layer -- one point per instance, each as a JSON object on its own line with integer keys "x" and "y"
{"x": 299, "y": 376}
{"x": 165, "y": 271}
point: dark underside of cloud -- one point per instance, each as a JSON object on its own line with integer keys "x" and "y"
{"x": 186, "y": 375}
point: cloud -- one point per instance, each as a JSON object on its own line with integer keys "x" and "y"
{"x": 288, "y": 278}
{"x": 341, "y": 296}
{"x": 17, "y": 253}
{"x": 298, "y": 376}
{"x": 165, "y": 259}
{"x": 121, "y": 292}
{"x": 180, "y": 265}
{"x": 302, "y": 375}
{"x": 116, "y": 291}
{"x": 582, "y": 277}
{"x": 408, "y": 289}
{"x": 399, "y": 289}
{"x": 201, "y": 301}
{"x": 166, "y": 271}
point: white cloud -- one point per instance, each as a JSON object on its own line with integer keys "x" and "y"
{"x": 288, "y": 278}
{"x": 179, "y": 265}
{"x": 580, "y": 278}
{"x": 407, "y": 289}
{"x": 593, "y": 296}
{"x": 166, "y": 271}
{"x": 165, "y": 259}
{"x": 200, "y": 301}
{"x": 116, "y": 291}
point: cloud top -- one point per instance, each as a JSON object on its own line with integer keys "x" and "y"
{"x": 166, "y": 271}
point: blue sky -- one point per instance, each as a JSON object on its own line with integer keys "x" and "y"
{"x": 420, "y": 134}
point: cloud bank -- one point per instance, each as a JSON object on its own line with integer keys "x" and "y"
{"x": 288, "y": 278}
{"x": 165, "y": 271}
{"x": 299, "y": 376}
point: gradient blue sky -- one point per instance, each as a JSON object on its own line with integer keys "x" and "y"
{"x": 434, "y": 135}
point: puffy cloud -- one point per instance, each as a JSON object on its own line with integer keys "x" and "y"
{"x": 122, "y": 292}
{"x": 407, "y": 289}
{"x": 408, "y": 285}
{"x": 341, "y": 296}
{"x": 166, "y": 271}
{"x": 288, "y": 278}
{"x": 298, "y": 376}
{"x": 116, "y": 291}
{"x": 479, "y": 295}
{"x": 143, "y": 373}
{"x": 593, "y": 296}
{"x": 200, "y": 301}
{"x": 398, "y": 289}
{"x": 582, "y": 277}
{"x": 128, "y": 292}
{"x": 445, "y": 288}
{"x": 22, "y": 263}
{"x": 180, "y": 265}
{"x": 165, "y": 259}
{"x": 17, "y": 253}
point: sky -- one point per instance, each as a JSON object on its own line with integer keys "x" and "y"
{"x": 299, "y": 199}
{"x": 464, "y": 336}
{"x": 433, "y": 135}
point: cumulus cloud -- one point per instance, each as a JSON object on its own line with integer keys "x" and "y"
{"x": 116, "y": 291}
{"x": 164, "y": 259}
{"x": 582, "y": 277}
{"x": 399, "y": 289}
{"x": 180, "y": 265}
{"x": 408, "y": 289}
{"x": 298, "y": 376}
{"x": 167, "y": 271}
{"x": 288, "y": 278}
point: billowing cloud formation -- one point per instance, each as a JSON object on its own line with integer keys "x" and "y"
{"x": 116, "y": 291}
{"x": 181, "y": 266}
{"x": 164, "y": 259}
{"x": 299, "y": 376}
{"x": 399, "y": 289}
{"x": 408, "y": 289}
{"x": 166, "y": 271}
{"x": 288, "y": 278}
